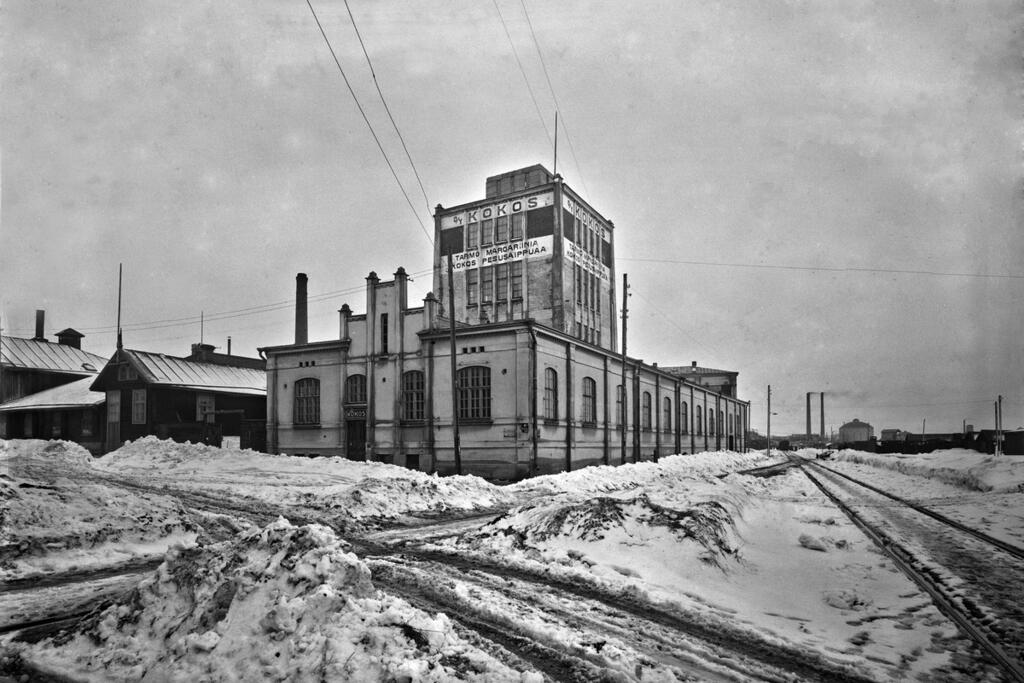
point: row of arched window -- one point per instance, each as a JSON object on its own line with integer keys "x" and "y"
{"x": 588, "y": 409}
{"x": 474, "y": 395}
{"x": 474, "y": 401}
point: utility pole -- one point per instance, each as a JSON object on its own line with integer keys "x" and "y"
{"x": 768, "y": 450}
{"x": 999, "y": 425}
{"x": 455, "y": 386}
{"x": 622, "y": 396}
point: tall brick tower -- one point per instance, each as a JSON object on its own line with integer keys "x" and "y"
{"x": 532, "y": 248}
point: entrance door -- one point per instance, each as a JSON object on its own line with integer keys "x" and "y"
{"x": 355, "y": 442}
{"x": 113, "y": 420}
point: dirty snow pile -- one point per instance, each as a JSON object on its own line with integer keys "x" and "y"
{"x": 771, "y": 558}
{"x": 282, "y": 602}
{"x": 352, "y": 489}
{"x": 55, "y": 517}
{"x": 633, "y": 520}
{"x": 959, "y": 467}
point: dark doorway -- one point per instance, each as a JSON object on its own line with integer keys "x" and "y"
{"x": 412, "y": 461}
{"x": 355, "y": 441}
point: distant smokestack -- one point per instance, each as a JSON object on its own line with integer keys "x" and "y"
{"x": 229, "y": 346}
{"x": 301, "y": 325}
{"x": 40, "y": 320}
{"x": 822, "y": 394}
{"x": 809, "y": 432}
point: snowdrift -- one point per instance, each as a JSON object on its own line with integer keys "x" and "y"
{"x": 958, "y": 467}
{"x": 361, "y": 491}
{"x": 54, "y": 516}
{"x": 282, "y": 602}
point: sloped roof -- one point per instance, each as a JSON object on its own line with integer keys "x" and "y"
{"x": 691, "y": 370}
{"x": 71, "y": 395}
{"x": 158, "y": 368}
{"x": 29, "y": 354}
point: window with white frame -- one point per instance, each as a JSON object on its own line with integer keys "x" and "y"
{"x": 138, "y": 406}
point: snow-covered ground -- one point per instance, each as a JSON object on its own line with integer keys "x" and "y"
{"x": 236, "y": 600}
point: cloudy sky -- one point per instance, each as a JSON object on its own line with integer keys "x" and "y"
{"x": 823, "y": 196}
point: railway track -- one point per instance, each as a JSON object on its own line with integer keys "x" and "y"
{"x": 976, "y": 580}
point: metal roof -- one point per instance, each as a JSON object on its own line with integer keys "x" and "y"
{"x": 72, "y": 395}
{"x": 29, "y": 354}
{"x": 161, "y": 369}
{"x": 691, "y": 370}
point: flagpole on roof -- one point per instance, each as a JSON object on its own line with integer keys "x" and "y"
{"x": 120, "y": 345}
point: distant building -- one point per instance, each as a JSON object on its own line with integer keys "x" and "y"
{"x": 893, "y": 435}
{"x": 538, "y": 381}
{"x": 855, "y": 431}
{"x": 31, "y": 366}
{"x": 720, "y": 381}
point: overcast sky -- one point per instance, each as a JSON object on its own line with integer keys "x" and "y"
{"x": 820, "y": 196}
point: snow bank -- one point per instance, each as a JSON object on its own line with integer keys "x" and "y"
{"x": 608, "y": 478}
{"x": 66, "y": 452}
{"x": 283, "y": 602}
{"x": 361, "y": 490}
{"x": 55, "y": 517}
{"x": 642, "y": 526}
{"x": 959, "y": 467}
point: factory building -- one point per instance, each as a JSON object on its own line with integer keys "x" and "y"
{"x": 525, "y": 285}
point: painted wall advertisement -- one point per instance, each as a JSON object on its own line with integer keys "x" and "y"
{"x": 588, "y": 219}
{"x": 502, "y": 253}
{"x": 507, "y": 208}
{"x": 589, "y": 262}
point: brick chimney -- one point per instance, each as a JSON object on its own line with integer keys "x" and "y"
{"x": 301, "y": 321}
{"x": 40, "y": 320}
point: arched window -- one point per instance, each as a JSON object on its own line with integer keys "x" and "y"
{"x": 645, "y": 415}
{"x": 589, "y": 400}
{"x": 413, "y": 398}
{"x": 700, "y": 421}
{"x": 666, "y": 420}
{"x": 721, "y": 423}
{"x": 711, "y": 422}
{"x": 307, "y": 402}
{"x": 550, "y": 394}
{"x": 355, "y": 389}
{"x": 684, "y": 421}
{"x": 474, "y": 393}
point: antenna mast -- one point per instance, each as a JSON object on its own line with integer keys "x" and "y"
{"x": 556, "y": 142}
{"x": 120, "y": 344}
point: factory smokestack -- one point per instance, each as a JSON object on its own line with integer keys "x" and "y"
{"x": 822, "y": 394}
{"x": 809, "y": 432}
{"x": 301, "y": 324}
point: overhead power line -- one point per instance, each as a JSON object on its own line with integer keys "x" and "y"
{"x": 222, "y": 315}
{"x": 368, "y": 124}
{"x": 387, "y": 108}
{"x": 515, "y": 53}
{"x": 896, "y": 271}
{"x": 554, "y": 97}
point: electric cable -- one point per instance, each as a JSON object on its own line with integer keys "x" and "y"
{"x": 368, "y": 124}
{"x": 526, "y": 79}
{"x": 387, "y": 108}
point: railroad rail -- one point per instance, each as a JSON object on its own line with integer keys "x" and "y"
{"x": 1016, "y": 551}
{"x": 910, "y": 565}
